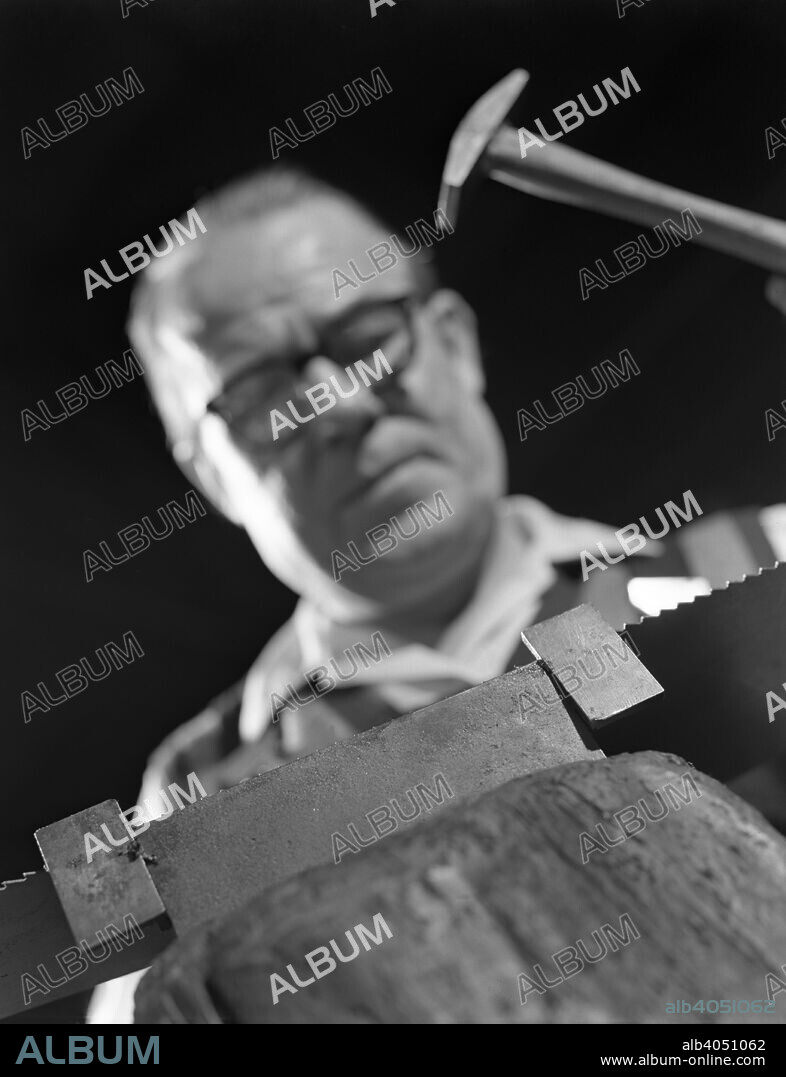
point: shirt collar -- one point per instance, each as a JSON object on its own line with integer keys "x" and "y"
{"x": 528, "y": 539}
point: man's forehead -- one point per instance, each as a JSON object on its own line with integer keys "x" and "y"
{"x": 279, "y": 270}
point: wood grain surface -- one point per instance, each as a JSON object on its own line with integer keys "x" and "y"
{"x": 482, "y": 892}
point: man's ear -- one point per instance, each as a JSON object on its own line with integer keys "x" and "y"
{"x": 456, "y": 326}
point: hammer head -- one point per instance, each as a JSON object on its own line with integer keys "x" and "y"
{"x": 473, "y": 135}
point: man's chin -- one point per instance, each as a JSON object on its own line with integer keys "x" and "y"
{"x": 399, "y": 492}
{"x": 394, "y": 578}
{"x": 413, "y": 543}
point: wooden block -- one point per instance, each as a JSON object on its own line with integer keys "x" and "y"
{"x": 479, "y": 895}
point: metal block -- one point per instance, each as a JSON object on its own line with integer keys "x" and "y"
{"x": 113, "y": 885}
{"x": 217, "y": 853}
{"x": 591, "y": 665}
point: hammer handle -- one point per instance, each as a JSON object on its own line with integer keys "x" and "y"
{"x": 562, "y": 174}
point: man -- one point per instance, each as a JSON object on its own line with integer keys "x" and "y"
{"x": 235, "y": 332}
{"x": 380, "y": 503}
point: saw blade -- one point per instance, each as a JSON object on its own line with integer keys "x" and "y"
{"x": 215, "y": 854}
{"x": 717, "y": 657}
{"x": 40, "y": 961}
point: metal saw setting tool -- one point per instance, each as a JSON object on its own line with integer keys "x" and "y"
{"x": 698, "y": 691}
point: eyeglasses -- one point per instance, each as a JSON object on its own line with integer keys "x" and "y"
{"x": 247, "y": 400}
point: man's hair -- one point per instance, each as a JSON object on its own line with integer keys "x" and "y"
{"x": 258, "y": 195}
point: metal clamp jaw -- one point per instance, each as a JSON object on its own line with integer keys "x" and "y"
{"x": 93, "y": 893}
{"x": 568, "y": 646}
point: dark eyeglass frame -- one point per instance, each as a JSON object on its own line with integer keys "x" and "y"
{"x": 221, "y": 406}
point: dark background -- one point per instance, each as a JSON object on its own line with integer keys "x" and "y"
{"x": 217, "y": 75}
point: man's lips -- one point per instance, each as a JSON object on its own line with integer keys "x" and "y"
{"x": 353, "y": 468}
{"x": 366, "y": 482}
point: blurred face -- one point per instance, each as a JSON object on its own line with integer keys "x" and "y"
{"x": 259, "y": 324}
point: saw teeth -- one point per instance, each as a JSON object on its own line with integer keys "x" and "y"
{"x": 15, "y": 882}
{"x": 703, "y": 598}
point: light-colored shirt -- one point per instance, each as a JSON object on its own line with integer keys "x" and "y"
{"x": 528, "y": 540}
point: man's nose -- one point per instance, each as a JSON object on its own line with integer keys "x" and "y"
{"x": 356, "y": 405}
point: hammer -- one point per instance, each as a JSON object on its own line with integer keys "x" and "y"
{"x": 484, "y": 144}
